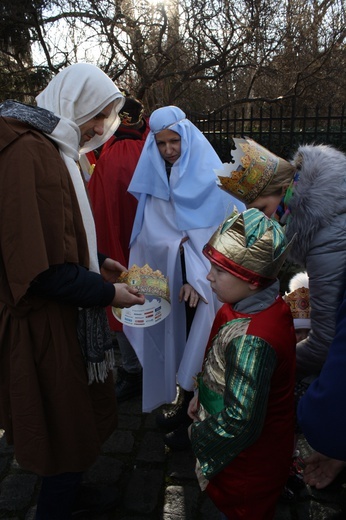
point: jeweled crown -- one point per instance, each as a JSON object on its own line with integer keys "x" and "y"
{"x": 299, "y": 303}
{"x": 147, "y": 281}
{"x": 252, "y": 168}
{"x": 249, "y": 245}
{"x": 132, "y": 112}
{"x": 298, "y": 298}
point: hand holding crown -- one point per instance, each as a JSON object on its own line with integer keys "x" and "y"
{"x": 126, "y": 296}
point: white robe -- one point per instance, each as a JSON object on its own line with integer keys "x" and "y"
{"x": 166, "y": 357}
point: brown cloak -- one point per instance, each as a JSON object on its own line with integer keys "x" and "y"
{"x": 55, "y": 420}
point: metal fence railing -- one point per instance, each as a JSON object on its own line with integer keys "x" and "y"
{"x": 280, "y": 128}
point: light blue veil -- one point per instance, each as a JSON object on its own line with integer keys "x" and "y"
{"x": 198, "y": 201}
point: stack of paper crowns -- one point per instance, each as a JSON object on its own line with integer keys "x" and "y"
{"x": 154, "y": 286}
{"x": 147, "y": 281}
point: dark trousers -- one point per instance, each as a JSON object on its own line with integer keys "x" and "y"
{"x": 57, "y": 496}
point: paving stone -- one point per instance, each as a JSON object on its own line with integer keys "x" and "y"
{"x": 181, "y": 502}
{"x": 132, "y": 406}
{"x": 16, "y": 491}
{"x": 320, "y": 511}
{"x": 129, "y": 422}
{"x": 181, "y": 465}
{"x": 31, "y": 514}
{"x": 157, "y": 483}
{"x": 4, "y": 464}
{"x": 120, "y": 442}
{"x": 152, "y": 448}
{"x": 143, "y": 490}
{"x": 106, "y": 470}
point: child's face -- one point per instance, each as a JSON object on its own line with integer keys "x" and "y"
{"x": 228, "y": 288}
{"x": 267, "y": 204}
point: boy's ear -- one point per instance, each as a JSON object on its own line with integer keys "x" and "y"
{"x": 253, "y": 286}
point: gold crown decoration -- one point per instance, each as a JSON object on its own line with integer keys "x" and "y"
{"x": 299, "y": 303}
{"x": 146, "y": 281}
{"x": 250, "y": 246}
{"x": 298, "y": 299}
{"x": 154, "y": 286}
{"x": 251, "y": 170}
{"x": 126, "y": 118}
{"x": 132, "y": 112}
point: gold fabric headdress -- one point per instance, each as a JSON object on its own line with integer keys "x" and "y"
{"x": 252, "y": 169}
{"x": 250, "y": 246}
{"x": 132, "y": 112}
{"x": 298, "y": 300}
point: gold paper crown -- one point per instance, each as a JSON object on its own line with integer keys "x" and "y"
{"x": 250, "y": 246}
{"x": 252, "y": 169}
{"x": 147, "y": 281}
{"x": 299, "y": 303}
{"x": 132, "y": 111}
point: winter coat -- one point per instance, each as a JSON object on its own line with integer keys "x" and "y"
{"x": 320, "y": 410}
{"x": 318, "y": 217}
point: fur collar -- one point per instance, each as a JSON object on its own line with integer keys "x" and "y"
{"x": 319, "y": 196}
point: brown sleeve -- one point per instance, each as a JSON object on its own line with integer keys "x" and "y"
{"x": 40, "y": 221}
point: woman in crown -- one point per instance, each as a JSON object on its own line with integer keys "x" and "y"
{"x": 308, "y": 196}
{"x": 179, "y": 206}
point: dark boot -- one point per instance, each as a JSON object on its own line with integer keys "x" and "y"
{"x": 172, "y": 418}
{"x": 128, "y": 384}
{"x": 178, "y": 440}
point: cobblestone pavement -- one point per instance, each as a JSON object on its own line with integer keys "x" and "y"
{"x": 155, "y": 483}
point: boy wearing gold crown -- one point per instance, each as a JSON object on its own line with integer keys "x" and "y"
{"x": 243, "y": 410}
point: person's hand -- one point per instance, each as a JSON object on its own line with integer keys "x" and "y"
{"x": 126, "y": 296}
{"x": 320, "y": 470}
{"x": 188, "y": 294}
{"x": 111, "y": 270}
{"x": 192, "y": 408}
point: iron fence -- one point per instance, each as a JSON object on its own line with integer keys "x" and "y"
{"x": 280, "y": 128}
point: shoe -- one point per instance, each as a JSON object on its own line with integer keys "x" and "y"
{"x": 95, "y": 500}
{"x": 171, "y": 419}
{"x": 128, "y": 384}
{"x": 178, "y": 440}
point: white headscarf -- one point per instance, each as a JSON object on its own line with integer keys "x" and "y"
{"x": 198, "y": 201}
{"x": 76, "y": 95}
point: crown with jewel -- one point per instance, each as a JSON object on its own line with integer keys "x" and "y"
{"x": 154, "y": 286}
{"x": 250, "y": 171}
{"x": 299, "y": 301}
{"x": 147, "y": 281}
{"x": 132, "y": 111}
{"x": 250, "y": 246}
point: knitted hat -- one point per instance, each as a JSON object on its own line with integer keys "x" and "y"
{"x": 249, "y": 245}
{"x": 298, "y": 300}
{"x": 251, "y": 170}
